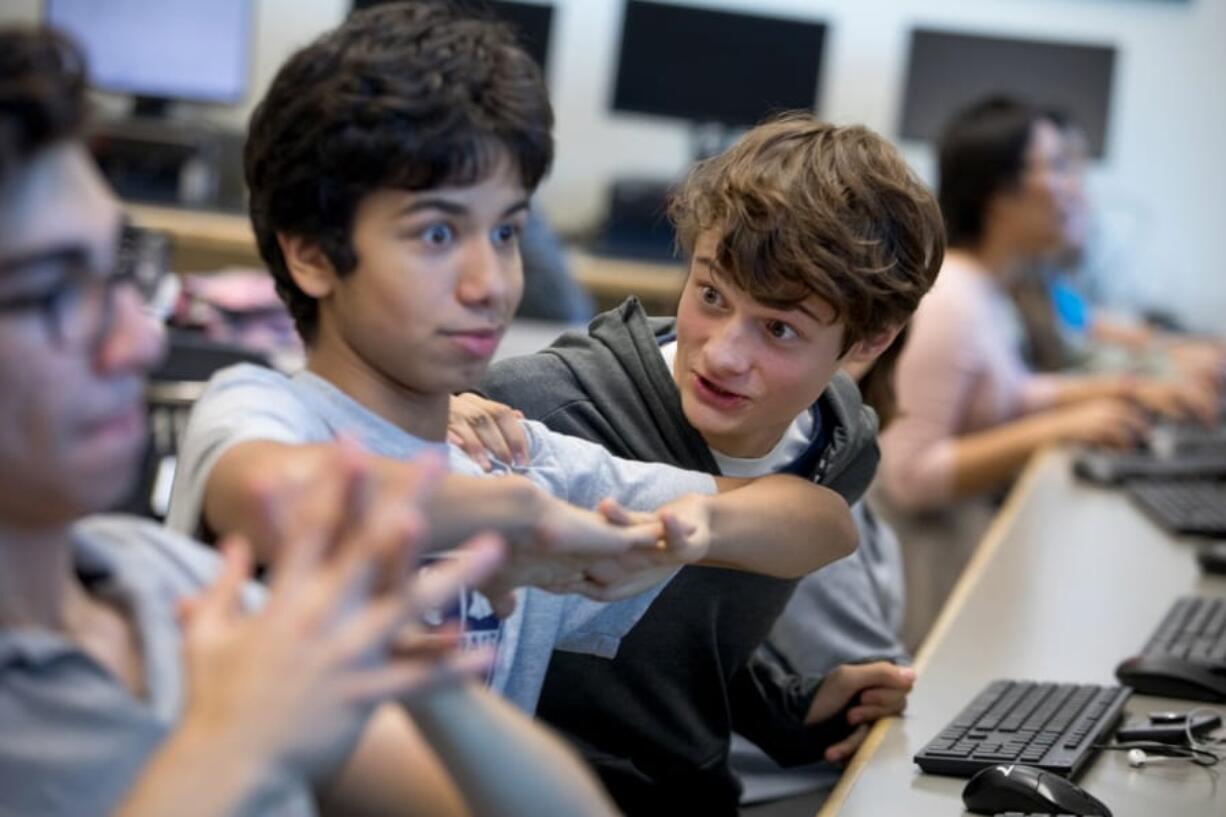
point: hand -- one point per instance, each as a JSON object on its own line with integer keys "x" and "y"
{"x": 686, "y": 540}
{"x": 880, "y": 691}
{"x": 1198, "y": 359}
{"x": 1177, "y": 400}
{"x": 336, "y": 634}
{"x": 482, "y": 427}
{"x": 1106, "y": 421}
{"x": 570, "y": 542}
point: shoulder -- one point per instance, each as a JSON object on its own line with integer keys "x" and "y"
{"x": 248, "y": 376}
{"x": 153, "y": 550}
{"x": 153, "y": 556}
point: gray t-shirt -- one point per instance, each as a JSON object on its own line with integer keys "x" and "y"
{"x": 74, "y": 738}
{"x": 247, "y": 402}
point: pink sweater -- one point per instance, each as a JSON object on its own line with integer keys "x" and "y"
{"x": 961, "y": 372}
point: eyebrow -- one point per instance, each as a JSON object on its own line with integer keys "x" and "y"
{"x": 452, "y": 208}
{"x": 68, "y": 251}
{"x": 783, "y": 306}
{"x": 73, "y": 252}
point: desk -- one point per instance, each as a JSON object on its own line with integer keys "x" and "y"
{"x": 210, "y": 240}
{"x": 1069, "y": 580}
{"x": 201, "y": 240}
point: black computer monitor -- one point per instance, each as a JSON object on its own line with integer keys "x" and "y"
{"x": 533, "y": 22}
{"x": 948, "y": 71}
{"x": 160, "y": 50}
{"x": 720, "y": 67}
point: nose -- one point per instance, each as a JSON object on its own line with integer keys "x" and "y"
{"x": 488, "y": 278}
{"x": 726, "y": 350}
{"x": 135, "y": 342}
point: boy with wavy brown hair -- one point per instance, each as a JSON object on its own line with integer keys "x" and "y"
{"x": 809, "y": 246}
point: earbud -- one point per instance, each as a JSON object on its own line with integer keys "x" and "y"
{"x": 1137, "y": 758}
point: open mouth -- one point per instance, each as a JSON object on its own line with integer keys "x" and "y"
{"x": 713, "y": 394}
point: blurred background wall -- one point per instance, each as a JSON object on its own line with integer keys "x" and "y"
{"x": 1158, "y": 189}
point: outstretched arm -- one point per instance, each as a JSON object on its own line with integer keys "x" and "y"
{"x": 779, "y": 525}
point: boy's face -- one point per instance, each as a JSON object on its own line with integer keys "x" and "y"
{"x": 437, "y": 282}
{"x": 73, "y": 351}
{"x": 744, "y": 369}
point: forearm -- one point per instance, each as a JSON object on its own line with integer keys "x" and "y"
{"x": 235, "y": 491}
{"x": 1066, "y": 390}
{"x": 505, "y": 764}
{"x": 195, "y": 774}
{"x": 986, "y": 460}
{"x": 464, "y": 506}
{"x": 781, "y": 526}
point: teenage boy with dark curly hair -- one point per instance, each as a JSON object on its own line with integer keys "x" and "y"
{"x": 390, "y": 166}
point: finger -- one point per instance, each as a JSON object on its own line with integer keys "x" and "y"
{"x": 362, "y": 561}
{"x": 676, "y": 534}
{"x": 223, "y": 597}
{"x": 884, "y": 697}
{"x": 309, "y": 510}
{"x": 869, "y": 714}
{"x": 468, "y": 441}
{"x": 581, "y": 532}
{"x": 614, "y": 512}
{"x": 469, "y": 565}
{"x": 508, "y": 428}
{"x": 881, "y": 674}
{"x": 844, "y": 749}
{"x": 411, "y": 642}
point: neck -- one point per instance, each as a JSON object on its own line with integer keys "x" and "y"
{"x": 997, "y": 255}
{"x": 38, "y": 587}
{"x": 419, "y": 414}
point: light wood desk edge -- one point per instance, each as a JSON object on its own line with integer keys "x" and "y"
{"x": 978, "y": 563}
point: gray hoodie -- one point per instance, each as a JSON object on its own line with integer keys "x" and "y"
{"x": 657, "y": 720}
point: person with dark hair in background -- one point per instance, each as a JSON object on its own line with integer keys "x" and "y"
{"x": 810, "y": 245}
{"x": 141, "y": 673}
{"x": 971, "y": 413}
{"x": 1066, "y": 329}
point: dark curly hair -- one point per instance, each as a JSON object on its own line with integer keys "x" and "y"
{"x": 805, "y": 207}
{"x": 410, "y": 95}
{"x": 42, "y": 93}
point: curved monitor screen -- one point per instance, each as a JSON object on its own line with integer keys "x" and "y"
{"x": 176, "y": 49}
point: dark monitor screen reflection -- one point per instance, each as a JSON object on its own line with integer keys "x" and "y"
{"x": 532, "y": 22}
{"x": 948, "y": 71}
{"x": 159, "y": 50}
{"x": 718, "y": 67}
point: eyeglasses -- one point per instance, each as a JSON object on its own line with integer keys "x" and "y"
{"x": 75, "y": 302}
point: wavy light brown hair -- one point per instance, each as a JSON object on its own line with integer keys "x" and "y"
{"x": 805, "y": 208}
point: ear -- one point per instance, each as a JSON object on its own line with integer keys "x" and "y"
{"x": 866, "y": 351}
{"x": 308, "y": 264}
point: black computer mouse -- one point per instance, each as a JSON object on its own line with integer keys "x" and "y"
{"x": 1172, "y": 678}
{"x": 1015, "y": 787}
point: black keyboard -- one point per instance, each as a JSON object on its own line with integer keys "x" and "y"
{"x": 1117, "y": 468}
{"x": 1052, "y": 726}
{"x": 1193, "y": 630}
{"x": 1195, "y": 507}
